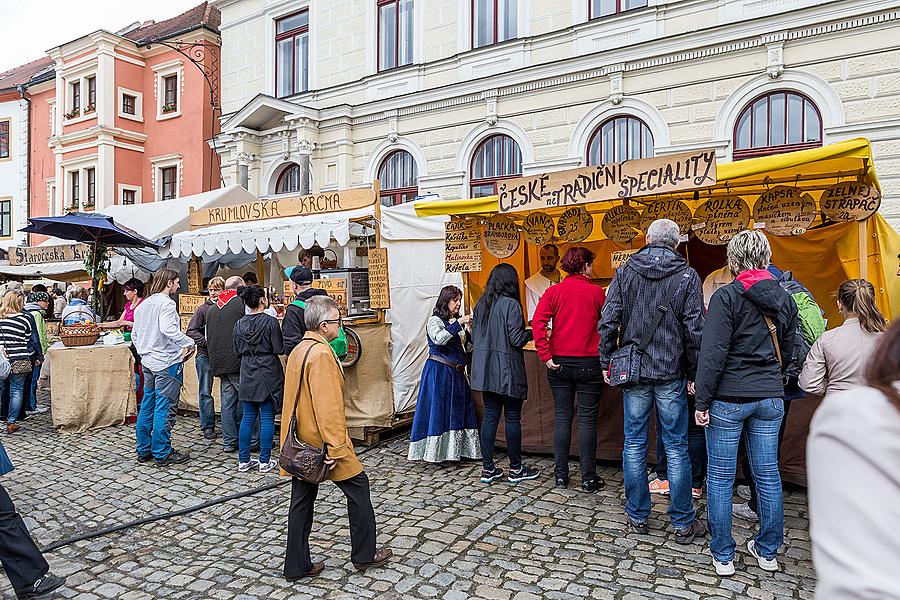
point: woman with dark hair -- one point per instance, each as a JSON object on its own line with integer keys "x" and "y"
{"x": 444, "y": 425}
{"x": 134, "y": 289}
{"x": 572, "y": 356}
{"x": 852, "y": 455}
{"x": 498, "y": 370}
{"x": 258, "y": 343}
{"x": 839, "y": 357}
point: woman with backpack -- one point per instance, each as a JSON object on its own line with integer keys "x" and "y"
{"x": 498, "y": 370}
{"x": 838, "y": 359}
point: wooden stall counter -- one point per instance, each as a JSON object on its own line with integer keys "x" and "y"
{"x": 91, "y": 387}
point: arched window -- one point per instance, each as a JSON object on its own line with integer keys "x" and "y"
{"x": 619, "y": 139}
{"x": 289, "y": 180}
{"x": 777, "y": 122}
{"x": 399, "y": 178}
{"x": 496, "y": 158}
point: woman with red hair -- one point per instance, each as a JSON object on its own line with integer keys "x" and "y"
{"x": 572, "y": 357}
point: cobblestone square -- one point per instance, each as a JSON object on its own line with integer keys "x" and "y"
{"x": 453, "y": 537}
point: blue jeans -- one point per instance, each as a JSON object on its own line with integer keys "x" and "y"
{"x": 204, "y": 393}
{"x": 32, "y": 389}
{"x": 266, "y": 413}
{"x": 696, "y": 449}
{"x": 231, "y": 409}
{"x": 156, "y": 418}
{"x": 16, "y": 383}
{"x": 761, "y": 420}
{"x": 670, "y": 399}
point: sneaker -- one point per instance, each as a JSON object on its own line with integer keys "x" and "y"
{"x": 209, "y": 434}
{"x": 743, "y": 511}
{"x": 687, "y": 535}
{"x": 743, "y": 491}
{"x": 491, "y": 476}
{"x": 523, "y": 474}
{"x": 723, "y": 569}
{"x": 562, "y": 482}
{"x": 659, "y": 486}
{"x": 142, "y": 458}
{"x": 766, "y": 564}
{"x": 266, "y": 467}
{"x": 38, "y": 410}
{"x": 46, "y": 584}
{"x": 638, "y": 527}
{"x": 696, "y": 493}
{"x": 246, "y": 466}
{"x": 174, "y": 458}
{"x": 593, "y": 484}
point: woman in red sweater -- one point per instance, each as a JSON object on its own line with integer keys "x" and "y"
{"x": 572, "y": 357}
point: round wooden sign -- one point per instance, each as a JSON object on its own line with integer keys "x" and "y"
{"x": 621, "y": 223}
{"x": 850, "y": 201}
{"x": 784, "y": 210}
{"x": 538, "y": 228}
{"x": 673, "y": 209}
{"x": 575, "y": 224}
{"x": 500, "y": 236}
{"x": 718, "y": 219}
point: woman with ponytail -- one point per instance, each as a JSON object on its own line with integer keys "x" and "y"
{"x": 838, "y": 359}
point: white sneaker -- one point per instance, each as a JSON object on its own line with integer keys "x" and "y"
{"x": 743, "y": 511}
{"x": 38, "y": 410}
{"x": 265, "y": 468}
{"x": 743, "y": 491}
{"x": 246, "y": 466}
{"x": 766, "y": 564}
{"x": 723, "y": 569}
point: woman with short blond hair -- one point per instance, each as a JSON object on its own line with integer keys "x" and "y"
{"x": 15, "y": 332}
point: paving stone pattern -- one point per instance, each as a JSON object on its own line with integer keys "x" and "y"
{"x": 453, "y": 537}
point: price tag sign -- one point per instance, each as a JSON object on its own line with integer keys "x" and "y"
{"x": 538, "y": 228}
{"x": 785, "y": 210}
{"x": 379, "y": 284}
{"x": 575, "y": 224}
{"x": 336, "y": 288}
{"x": 718, "y": 219}
{"x": 500, "y": 236}
{"x": 287, "y": 290}
{"x": 673, "y": 209}
{"x": 850, "y": 201}
{"x": 462, "y": 246}
{"x": 620, "y": 257}
{"x": 188, "y": 303}
{"x": 621, "y": 223}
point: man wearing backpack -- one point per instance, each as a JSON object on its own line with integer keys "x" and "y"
{"x": 293, "y": 327}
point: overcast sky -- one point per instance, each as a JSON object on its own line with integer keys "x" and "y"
{"x": 28, "y": 28}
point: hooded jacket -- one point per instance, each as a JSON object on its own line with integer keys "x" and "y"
{"x": 738, "y": 362}
{"x": 293, "y": 324}
{"x": 634, "y": 296}
{"x": 258, "y": 343}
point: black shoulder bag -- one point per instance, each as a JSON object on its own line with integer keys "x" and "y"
{"x": 625, "y": 363}
{"x": 298, "y": 458}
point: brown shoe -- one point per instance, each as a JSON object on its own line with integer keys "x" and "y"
{"x": 382, "y": 555}
{"x": 12, "y": 427}
{"x": 316, "y": 569}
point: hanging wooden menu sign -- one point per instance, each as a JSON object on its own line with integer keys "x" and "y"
{"x": 784, "y": 210}
{"x": 719, "y": 219}
{"x": 620, "y": 223}
{"x": 195, "y": 275}
{"x": 672, "y": 209}
{"x": 462, "y": 246}
{"x": 336, "y": 288}
{"x": 538, "y": 228}
{"x": 501, "y": 236}
{"x": 379, "y": 284}
{"x": 620, "y": 257}
{"x": 850, "y": 201}
{"x": 575, "y": 224}
{"x": 188, "y": 303}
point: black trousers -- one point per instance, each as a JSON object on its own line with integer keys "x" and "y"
{"x": 582, "y": 379}
{"x": 297, "y": 560}
{"x": 23, "y": 562}
{"x": 745, "y": 462}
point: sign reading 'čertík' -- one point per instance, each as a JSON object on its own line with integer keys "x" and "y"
{"x": 612, "y": 181}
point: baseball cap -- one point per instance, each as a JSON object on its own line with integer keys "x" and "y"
{"x": 299, "y": 275}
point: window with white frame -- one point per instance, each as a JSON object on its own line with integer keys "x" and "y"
{"x": 130, "y": 104}
{"x": 494, "y": 21}
{"x": 129, "y": 194}
{"x": 90, "y": 176}
{"x": 91, "y": 104}
{"x": 168, "y": 89}
{"x": 395, "y": 33}
{"x": 167, "y": 176}
{"x": 74, "y": 202}
{"x": 81, "y": 97}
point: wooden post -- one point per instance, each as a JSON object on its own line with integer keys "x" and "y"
{"x": 260, "y": 268}
{"x": 862, "y": 234}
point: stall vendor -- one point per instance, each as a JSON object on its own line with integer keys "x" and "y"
{"x": 715, "y": 280}
{"x": 540, "y": 282}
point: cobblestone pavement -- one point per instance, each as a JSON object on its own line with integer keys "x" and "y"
{"x": 452, "y": 537}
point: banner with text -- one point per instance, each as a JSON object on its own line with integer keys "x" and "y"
{"x": 38, "y": 255}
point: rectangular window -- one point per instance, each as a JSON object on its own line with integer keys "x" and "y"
{"x": 128, "y": 197}
{"x": 4, "y": 139}
{"x": 5, "y": 218}
{"x": 292, "y": 54}
{"x": 168, "y": 175}
{"x": 76, "y": 95}
{"x": 395, "y": 33}
{"x": 170, "y": 93}
{"x": 494, "y": 21}
{"x": 128, "y": 104}
{"x": 75, "y": 183}
{"x": 603, "y": 8}
{"x": 91, "y": 187}
{"x": 91, "y": 94}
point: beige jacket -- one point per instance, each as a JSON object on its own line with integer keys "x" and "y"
{"x": 838, "y": 359}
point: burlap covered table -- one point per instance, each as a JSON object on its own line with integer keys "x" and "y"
{"x": 90, "y": 386}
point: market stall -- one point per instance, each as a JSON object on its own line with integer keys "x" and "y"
{"x": 817, "y": 207}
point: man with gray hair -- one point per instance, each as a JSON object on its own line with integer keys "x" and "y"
{"x": 655, "y": 305}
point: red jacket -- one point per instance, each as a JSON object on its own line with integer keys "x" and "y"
{"x": 574, "y": 304}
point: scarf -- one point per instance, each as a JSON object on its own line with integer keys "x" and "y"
{"x": 224, "y": 297}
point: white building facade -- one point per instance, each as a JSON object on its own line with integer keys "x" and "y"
{"x": 13, "y": 170}
{"x": 449, "y": 96}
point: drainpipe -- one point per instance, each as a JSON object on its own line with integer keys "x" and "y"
{"x": 21, "y": 89}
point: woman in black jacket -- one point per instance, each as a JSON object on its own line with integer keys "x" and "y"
{"x": 498, "y": 370}
{"x": 746, "y": 349}
{"x": 258, "y": 343}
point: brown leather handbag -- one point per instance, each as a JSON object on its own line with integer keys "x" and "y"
{"x": 297, "y": 457}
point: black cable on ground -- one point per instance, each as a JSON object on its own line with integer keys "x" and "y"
{"x": 88, "y": 535}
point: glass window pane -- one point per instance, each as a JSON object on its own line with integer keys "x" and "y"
{"x": 632, "y": 4}
{"x": 387, "y": 36}
{"x": 813, "y": 124}
{"x": 795, "y": 119}
{"x": 648, "y": 150}
{"x": 285, "y": 67}
{"x": 607, "y": 137}
{"x": 508, "y": 19}
{"x": 480, "y": 191}
{"x": 406, "y": 32}
{"x": 607, "y": 7}
{"x": 776, "y": 120}
{"x": 621, "y": 152}
{"x": 483, "y": 22}
{"x": 742, "y": 131}
{"x": 293, "y": 22}
{"x": 302, "y": 81}
{"x": 634, "y": 139}
{"x": 760, "y": 123}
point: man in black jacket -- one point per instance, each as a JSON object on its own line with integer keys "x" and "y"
{"x": 293, "y": 326}
{"x": 639, "y": 289}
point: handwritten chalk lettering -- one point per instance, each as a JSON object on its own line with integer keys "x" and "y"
{"x": 620, "y": 223}
{"x": 501, "y": 236}
{"x": 665, "y": 174}
{"x": 379, "y": 281}
{"x": 850, "y": 201}
{"x": 720, "y": 218}
{"x": 785, "y": 210}
{"x": 672, "y": 208}
{"x": 620, "y": 257}
{"x": 538, "y": 228}
{"x": 575, "y": 224}
{"x": 188, "y": 303}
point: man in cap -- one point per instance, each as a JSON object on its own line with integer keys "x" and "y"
{"x": 293, "y": 327}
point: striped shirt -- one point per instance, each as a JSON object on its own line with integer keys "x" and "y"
{"x": 15, "y": 331}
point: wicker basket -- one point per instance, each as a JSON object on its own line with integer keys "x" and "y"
{"x": 80, "y": 334}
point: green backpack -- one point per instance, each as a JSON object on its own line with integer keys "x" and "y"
{"x": 811, "y": 322}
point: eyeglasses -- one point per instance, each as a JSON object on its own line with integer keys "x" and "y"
{"x": 339, "y": 321}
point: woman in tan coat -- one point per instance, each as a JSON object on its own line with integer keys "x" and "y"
{"x": 314, "y": 382}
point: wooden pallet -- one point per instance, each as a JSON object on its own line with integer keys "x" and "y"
{"x": 369, "y": 436}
